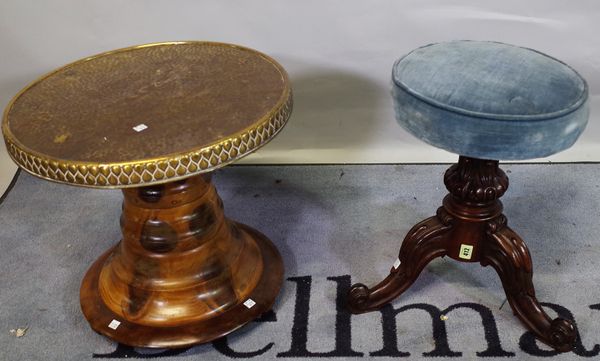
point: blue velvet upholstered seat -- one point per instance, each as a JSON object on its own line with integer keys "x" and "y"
{"x": 489, "y": 100}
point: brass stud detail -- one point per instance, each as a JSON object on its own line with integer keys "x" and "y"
{"x": 79, "y": 179}
{"x": 147, "y": 177}
{"x": 70, "y": 178}
{"x": 113, "y": 180}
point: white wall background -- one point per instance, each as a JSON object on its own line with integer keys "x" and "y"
{"x": 338, "y": 53}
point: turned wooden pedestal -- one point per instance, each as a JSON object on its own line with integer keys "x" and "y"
{"x": 155, "y": 120}
{"x": 182, "y": 273}
{"x": 470, "y": 227}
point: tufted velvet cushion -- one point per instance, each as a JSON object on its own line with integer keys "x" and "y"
{"x": 489, "y": 100}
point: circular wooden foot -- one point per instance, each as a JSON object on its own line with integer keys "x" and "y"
{"x": 183, "y": 274}
{"x": 130, "y": 333}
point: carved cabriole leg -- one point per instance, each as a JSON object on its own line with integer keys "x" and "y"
{"x": 470, "y": 227}
{"x": 423, "y": 243}
{"x": 507, "y": 253}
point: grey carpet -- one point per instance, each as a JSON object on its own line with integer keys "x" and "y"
{"x": 330, "y": 223}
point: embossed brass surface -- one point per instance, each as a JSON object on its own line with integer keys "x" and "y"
{"x": 139, "y": 117}
{"x": 202, "y": 105}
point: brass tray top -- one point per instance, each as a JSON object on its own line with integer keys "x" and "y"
{"x": 147, "y": 114}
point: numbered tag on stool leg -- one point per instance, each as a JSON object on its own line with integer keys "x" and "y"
{"x": 466, "y": 251}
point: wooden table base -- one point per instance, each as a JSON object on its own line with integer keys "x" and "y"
{"x": 470, "y": 227}
{"x": 183, "y": 274}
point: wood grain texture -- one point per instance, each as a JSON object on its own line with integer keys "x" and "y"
{"x": 182, "y": 270}
{"x": 470, "y": 227}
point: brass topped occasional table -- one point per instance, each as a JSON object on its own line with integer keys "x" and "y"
{"x": 155, "y": 120}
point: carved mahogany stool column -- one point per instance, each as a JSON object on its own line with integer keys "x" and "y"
{"x": 485, "y": 101}
{"x": 155, "y": 120}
